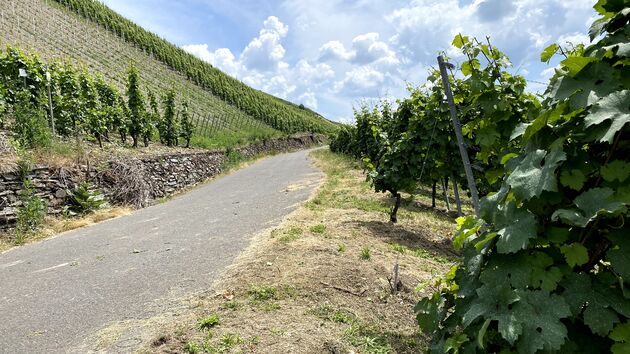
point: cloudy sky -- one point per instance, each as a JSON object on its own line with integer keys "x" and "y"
{"x": 330, "y": 54}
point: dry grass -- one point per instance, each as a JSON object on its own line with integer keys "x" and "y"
{"x": 56, "y": 225}
{"x": 308, "y": 286}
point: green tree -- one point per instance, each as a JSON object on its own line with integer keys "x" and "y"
{"x": 170, "y": 119}
{"x": 135, "y": 105}
{"x": 95, "y": 120}
{"x": 111, "y": 111}
{"x": 186, "y": 125}
{"x": 154, "y": 116}
{"x": 67, "y": 101}
{"x": 30, "y": 124}
{"x": 122, "y": 120}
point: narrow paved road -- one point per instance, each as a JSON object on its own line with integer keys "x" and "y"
{"x": 56, "y": 293}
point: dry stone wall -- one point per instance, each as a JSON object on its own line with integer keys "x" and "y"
{"x": 136, "y": 180}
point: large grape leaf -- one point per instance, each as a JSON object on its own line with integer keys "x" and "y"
{"x": 616, "y": 170}
{"x": 495, "y": 303}
{"x": 619, "y": 255}
{"x": 594, "y": 82}
{"x": 516, "y": 227}
{"x": 575, "y": 254}
{"x": 428, "y": 313}
{"x": 615, "y": 108}
{"x": 540, "y": 314}
{"x": 621, "y": 335}
{"x": 521, "y": 270}
{"x": 597, "y": 301}
{"x": 575, "y": 64}
{"x": 594, "y": 202}
{"x": 531, "y": 177}
{"x": 543, "y": 275}
{"x": 507, "y": 269}
{"x": 573, "y": 179}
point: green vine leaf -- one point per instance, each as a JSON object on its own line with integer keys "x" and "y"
{"x": 575, "y": 254}
{"x": 573, "y": 179}
{"x": 619, "y": 254}
{"x": 517, "y": 227}
{"x": 539, "y": 313}
{"x": 549, "y": 52}
{"x": 614, "y": 108}
{"x": 460, "y": 41}
{"x": 455, "y": 342}
{"x": 594, "y": 202}
{"x": 466, "y": 227}
{"x": 621, "y": 335}
{"x": 428, "y": 313}
{"x": 532, "y": 177}
{"x": 616, "y": 170}
{"x": 576, "y": 64}
{"x": 495, "y": 303}
{"x": 543, "y": 276}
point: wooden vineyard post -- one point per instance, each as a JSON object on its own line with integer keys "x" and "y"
{"x": 50, "y": 104}
{"x": 445, "y": 193}
{"x": 456, "y": 191}
{"x": 458, "y": 133}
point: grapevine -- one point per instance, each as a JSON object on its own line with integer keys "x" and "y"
{"x": 546, "y": 266}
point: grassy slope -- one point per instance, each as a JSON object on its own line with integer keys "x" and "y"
{"x": 318, "y": 283}
{"x": 55, "y": 33}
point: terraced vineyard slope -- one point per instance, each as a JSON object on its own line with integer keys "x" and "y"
{"x": 63, "y": 30}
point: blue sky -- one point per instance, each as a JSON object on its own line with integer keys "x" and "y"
{"x": 331, "y": 54}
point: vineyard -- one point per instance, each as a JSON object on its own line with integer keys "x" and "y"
{"x": 544, "y": 259}
{"x": 56, "y": 34}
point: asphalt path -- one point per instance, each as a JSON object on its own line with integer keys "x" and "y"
{"x": 56, "y": 293}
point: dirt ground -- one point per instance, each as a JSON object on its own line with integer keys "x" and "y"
{"x": 322, "y": 281}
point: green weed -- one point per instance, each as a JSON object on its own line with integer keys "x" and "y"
{"x": 232, "y": 305}
{"x": 291, "y": 234}
{"x": 229, "y": 340}
{"x": 191, "y": 348}
{"x": 30, "y": 215}
{"x": 262, "y": 293}
{"x": 208, "y": 322}
{"x": 318, "y": 229}
{"x": 365, "y": 254}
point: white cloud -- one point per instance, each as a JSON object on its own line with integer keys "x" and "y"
{"x": 222, "y": 58}
{"x": 366, "y": 48}
{"x": 335, "y": 50}
{"x": 361, "y": 81}
{"x": 308, "y": 74}
{"x": 330, "y": 54}
{"x": 309, "y": 99}
{"x": 265, "y": 52}
{"x": 574, "y": 38}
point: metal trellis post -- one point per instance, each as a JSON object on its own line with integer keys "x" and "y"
{"x": 458, "y": 132}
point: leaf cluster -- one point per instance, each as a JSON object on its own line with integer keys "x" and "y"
{"x": 545, "y": 268}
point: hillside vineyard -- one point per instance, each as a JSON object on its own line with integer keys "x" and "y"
{"x": 57, "y": 31}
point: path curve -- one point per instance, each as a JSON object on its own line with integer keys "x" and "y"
{"x": 56, "y": 293}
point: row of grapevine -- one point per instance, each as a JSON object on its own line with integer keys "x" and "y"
{"x": 414, "y": 144}
{"x": 278, "y": 113}
{"x": 545, "y": 267}
{"x": 74, "y": 102}
{"x": 57, "y": 34}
